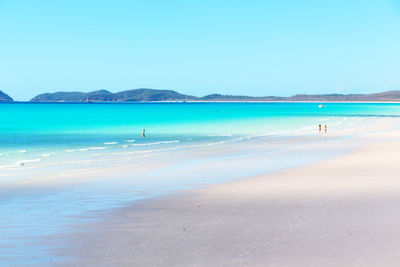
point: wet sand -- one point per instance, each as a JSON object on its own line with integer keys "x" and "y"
{"x": 340, "y": 212}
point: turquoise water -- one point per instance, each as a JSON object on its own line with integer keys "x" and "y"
{"x": 30, "y": 134}
{"x": 40, "y": 126}
{"x": 165, "y": 118}
{"x": 47, "y": 151}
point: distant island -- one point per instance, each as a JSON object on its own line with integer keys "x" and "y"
{"x": 141, "y": 95}
{"x": 135, "y": 95}
{"x": 153, "y": 95}
{"x": 4, "y": 97}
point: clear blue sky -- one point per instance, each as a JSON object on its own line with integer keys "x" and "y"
{"x": 254, "y": 47}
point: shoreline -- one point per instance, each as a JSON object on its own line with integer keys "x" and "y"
{"x": 202, "y": 101}
{"x": 77, "y": 198}
{"x": 231, "y": 223}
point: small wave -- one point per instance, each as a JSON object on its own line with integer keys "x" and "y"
{"x": 239, "y": 139}
{"x": 21, "y": 151}
{"x": 124, "y": 146}
{"x": 46, "y": 155}
{"x": 8, "y": 166}
{"x": 219, "y": 135}
{"x": 97, "y": 147}
{"x": 19, "y": 163}
{"x": 111, "y": 143}
{"x": 1, "y": 154}
{"x": 86, "y": 149}
{"x": 30, "y": 160}
{"x": 130, "y": 141}
{"x": 157, "y": 143}
{"x": 169, "y": 142}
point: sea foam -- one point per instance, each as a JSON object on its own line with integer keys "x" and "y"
{"x": 111, "y": 143}
{"x": 157, "y": 143}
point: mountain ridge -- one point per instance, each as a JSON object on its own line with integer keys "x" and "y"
{"x": 161, "y": 95}
{"x": 134, "y": 95}
{"x": 4, "y": 97}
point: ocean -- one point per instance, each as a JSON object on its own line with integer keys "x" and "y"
{"x": 60, "y": 162}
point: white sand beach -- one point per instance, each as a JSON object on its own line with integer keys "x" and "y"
{"x": 199, "y": 133}
{"x": 341, "y": 212}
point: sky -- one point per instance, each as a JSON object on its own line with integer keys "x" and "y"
{"x": 254, "y": 47}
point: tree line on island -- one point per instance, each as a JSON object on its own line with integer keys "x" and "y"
{"x": 153, "y": 95}
{"x": 4, "y": 97}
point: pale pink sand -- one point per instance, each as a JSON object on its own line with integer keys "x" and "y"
{"x": 342, "y": 212}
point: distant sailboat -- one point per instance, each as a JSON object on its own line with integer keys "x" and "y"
{"x": 88, "y": 101}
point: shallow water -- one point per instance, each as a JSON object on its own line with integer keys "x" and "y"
{"x": 33, "y": 134}
{"x": 59, "y": 162}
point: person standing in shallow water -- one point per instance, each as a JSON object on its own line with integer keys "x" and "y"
{"x": 326, "y": 128}
{"x": 144, "y": 133}
{"x": 319, "y": 128}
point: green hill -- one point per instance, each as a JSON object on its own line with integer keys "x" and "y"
{"x": 139, "y": 95}
{"x": 105, "y": 96}
{"x": 4, "y": 97}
